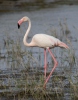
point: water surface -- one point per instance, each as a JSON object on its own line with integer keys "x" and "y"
{"x": 46, "y": 21}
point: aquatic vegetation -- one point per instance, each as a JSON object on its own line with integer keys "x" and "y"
{"x": 25, "y": 80}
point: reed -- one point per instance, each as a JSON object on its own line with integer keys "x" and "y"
{"x": 24, "y": 81}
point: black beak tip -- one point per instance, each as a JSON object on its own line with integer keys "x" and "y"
{"x": 18, "y": 25}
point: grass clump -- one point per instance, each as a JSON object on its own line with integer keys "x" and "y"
{"x": 24, "y": 80}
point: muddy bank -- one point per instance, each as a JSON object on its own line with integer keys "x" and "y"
{"x": 16, "y": 5}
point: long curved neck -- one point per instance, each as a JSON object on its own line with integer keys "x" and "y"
{"x": 26, "y": 34}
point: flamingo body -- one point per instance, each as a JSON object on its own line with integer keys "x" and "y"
{"x": 44, "y": 41}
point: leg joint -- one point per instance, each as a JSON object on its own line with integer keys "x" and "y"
{"x": 56, "y": 63}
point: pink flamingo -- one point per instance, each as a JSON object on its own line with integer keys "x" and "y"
{"x": 43, "y": 41}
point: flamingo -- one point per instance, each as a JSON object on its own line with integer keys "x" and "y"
{"x": 43, "y": 41}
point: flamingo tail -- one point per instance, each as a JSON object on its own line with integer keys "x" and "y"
{"x": 61, "y": 44}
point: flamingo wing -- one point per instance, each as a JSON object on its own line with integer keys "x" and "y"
{"x": 44, "y": 41}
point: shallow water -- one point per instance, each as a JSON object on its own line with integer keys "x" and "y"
{"x": 43, "y": 21}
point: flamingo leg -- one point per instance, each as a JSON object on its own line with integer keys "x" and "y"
{"x": 55, "y": 65}
{"x": 45, "y": 64}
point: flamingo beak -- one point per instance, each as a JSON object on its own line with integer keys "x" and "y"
{"x": 18, "y": 25}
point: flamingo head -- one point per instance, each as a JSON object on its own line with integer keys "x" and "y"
{"x": 21, "y": 21}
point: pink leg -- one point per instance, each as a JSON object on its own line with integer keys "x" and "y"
{"x": 55, "y": 64}
{"x": 45, "y": 64}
